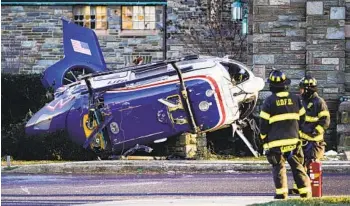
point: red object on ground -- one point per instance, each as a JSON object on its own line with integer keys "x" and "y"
{"x": 316, "y": 179}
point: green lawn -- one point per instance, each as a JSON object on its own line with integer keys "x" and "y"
{"x": 337, "y": 200}
{"x": 33, "y": 162}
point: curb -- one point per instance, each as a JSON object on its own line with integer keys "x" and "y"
{"x": 161, "y": 167}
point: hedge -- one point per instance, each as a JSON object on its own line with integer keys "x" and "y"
{"x": 22, "y": 93}
{"x": 19, "y": 93}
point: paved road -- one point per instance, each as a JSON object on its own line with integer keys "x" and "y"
{"x": 78, "y": 189}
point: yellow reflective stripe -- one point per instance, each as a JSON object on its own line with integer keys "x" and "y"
{"x": 282, "y": 94}
{"x": 317, "y": 138}
{"x": 320, "y": 129}
{"x": 310, "y": 105}
{"x": 295, "y": 186}
{"x": 304, "y": 190}
{"x": 282, "y": 117}
{"x": 311, "y": 119}
{"x": 264, "y": 115}
{"x": 282, "y": 142}
{"x": 302, "y": 111}
{"x": 262, "y": 136}
{"x": 300, "y": 133}
{"x": 288, "y": 148}
{"x": 283, "y": 76}
{"x": 324, "y": 114}
{"x": 281, "y": 191}
{"x": 278, "y": 79}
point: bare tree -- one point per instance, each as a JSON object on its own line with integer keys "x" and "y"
{"x": 212, "y": 32}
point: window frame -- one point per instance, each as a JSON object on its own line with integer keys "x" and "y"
{"x": 83, "y": 22}
{"x": 153, "y": 20}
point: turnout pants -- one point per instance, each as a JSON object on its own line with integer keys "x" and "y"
{"x": 295, "y": 158}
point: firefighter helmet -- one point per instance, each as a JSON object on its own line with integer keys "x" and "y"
{"x": 308, "y": 81}
{"x": 278, "y": 78}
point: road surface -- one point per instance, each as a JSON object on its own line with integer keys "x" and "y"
{"x": 71, "y": 189}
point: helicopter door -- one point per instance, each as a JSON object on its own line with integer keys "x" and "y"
{"x": 176, "y": 111}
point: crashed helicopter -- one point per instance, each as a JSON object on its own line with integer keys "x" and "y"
{"x": 111, "y": 111}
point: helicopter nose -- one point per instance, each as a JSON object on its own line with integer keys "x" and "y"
{"x": 51, "y": 118}
{"x": 45, "y": 123}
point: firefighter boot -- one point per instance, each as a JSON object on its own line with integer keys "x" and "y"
{"x": 305, "y": 192}
{"x": 281, "y": 196}
{"x": 293, "y": 191}
{"x": 306, "y": 195}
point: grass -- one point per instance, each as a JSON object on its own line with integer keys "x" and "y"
{"x": 235, "y": 158}
{"x": 33, "y": 162}
{"x": 336, "y": 200}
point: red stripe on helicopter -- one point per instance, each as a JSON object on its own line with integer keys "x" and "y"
{"x": 208, "y": 78}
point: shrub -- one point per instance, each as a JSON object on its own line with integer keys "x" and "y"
{"x": 20, "y": 94}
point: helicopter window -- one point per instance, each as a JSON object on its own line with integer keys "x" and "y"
{"x": 237, "y": 73}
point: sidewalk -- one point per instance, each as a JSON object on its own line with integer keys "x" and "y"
{"x": 204, "y": 201}
{"x": 161, "y": 167}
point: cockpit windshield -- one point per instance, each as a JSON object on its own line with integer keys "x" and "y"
{"x": 237, "y": 73}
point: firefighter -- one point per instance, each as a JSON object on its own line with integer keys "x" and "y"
{"x": 281, "y": 115}
{"x": 317, "y": 121}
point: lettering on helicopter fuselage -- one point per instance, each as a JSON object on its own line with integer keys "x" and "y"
{"x": 116, "y": 81}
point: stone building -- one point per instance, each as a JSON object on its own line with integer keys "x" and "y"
{"x": 32, "y": 32}
{"x": 302, "y": 36}
{"x": 297, "y": 36}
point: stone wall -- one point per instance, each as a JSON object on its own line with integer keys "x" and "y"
{"x": 326, "y": 52}
{"x": 347, "y": 48}
{"x": 32, "y": 35}
{"x": 279, "y": 37}
{"x": 299, "y": 37}
{"x": 185, "y": 14}
{"x": 343, "y": 127}
{"x": 32, "y": 38}
{"x": 177, "y": 13}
